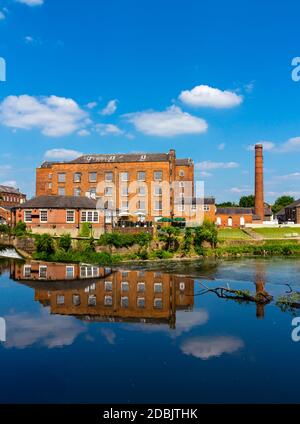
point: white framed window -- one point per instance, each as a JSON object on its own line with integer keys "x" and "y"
{"x": 157, "y": 274}
{"x": 124, "y": 192}
{"x": 92, "y": 177}
{"x": 27, "y": 216}
{"x": 181, "y": 173}
{"x": 229, "y": 221}
{"x": 181, "y": 184}
{"x": 60, "y": 299}
{"x": 61, "y": 177}
{"x": 180, "y": 208}
{"x": 89, "y": 271}
{"x": 141, "y": 205}
{"x": 108, "y": 191}
{"x": 158, "y": 304}
{"x": 141, "y": 176}
{"x": 141, "y": 287}
{"x": 92, "y": 300}
{"x": 125, "y": 205}
{"x": 27, "y": 271}
{"x": 157, "y": 191}
{"x": 158, "y": 205}
{"x": 61, "y": 191}
{"x": 206, "y": 208}
{"x": 158, "y": 175}
{"x": 43, "y": 271}
{"x": 124, "y": 286}
{"x": 93, "y": 192}
{"x": 182, "y": 286}
{"x": 43, "y": 216}
{"x": 108, "y": 301}
{"x": 90, "y": 216}
{"x": 158, "y": 288}
{"x": 124, "y": 176}
{"x": 70, "y": 217}
{"x": 194, "y": 206}
{"x": 108, "y": 286}
{"x": 108, "y": 176}
{"x": 50, "y": 176}
{"x": 124, "y": 302}
{"x": 219, "y": 220}
{"x": 70, "y": 271}
{"x": 141, "y": 302}
{"x": 49, "y": 186}
{"x": 142, "y": 191}
{"x": 76, "y": 299}
{"x": 77, "y": 177}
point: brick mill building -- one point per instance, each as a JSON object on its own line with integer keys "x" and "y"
{"x": 9, "y": 197}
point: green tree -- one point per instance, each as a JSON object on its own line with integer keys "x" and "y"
{"x": 20, "y": 229}
{"x": 247, "y": 201}
{"x": 65, "y": 242}
{"x": 226, "y": 205}
{"x": 44, "y": 244}
{"x": 169, "y": 235}
{"x": 187, "y": 241}
{"x": 281, "y": 203}
{"x": 206, "y": 232}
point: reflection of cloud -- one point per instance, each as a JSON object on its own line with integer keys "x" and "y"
{"x": 208, "y": 347}
{"x": 24, "y": 330}
{"x": 110, "y": 335}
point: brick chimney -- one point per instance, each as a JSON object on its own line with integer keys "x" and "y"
{"x": 259, "y": 182}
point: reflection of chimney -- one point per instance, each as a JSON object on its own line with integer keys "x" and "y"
{"x": 259, "y": 182}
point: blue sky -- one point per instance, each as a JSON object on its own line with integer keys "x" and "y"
{"x": 207, "y": 78}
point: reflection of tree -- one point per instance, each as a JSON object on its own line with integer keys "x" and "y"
{"x": 4, "y": 266}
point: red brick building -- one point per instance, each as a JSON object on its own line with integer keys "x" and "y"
{"x": 59, "y": 214}
{"x": 9, "y": 197}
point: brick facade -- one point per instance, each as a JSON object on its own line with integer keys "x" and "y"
{"x": 10, "y": 197}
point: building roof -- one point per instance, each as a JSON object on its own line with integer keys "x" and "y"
{"x": 294, "y": 204}
{"x": 9, "y": 190}
{"x": 121, "y": 158}
{"x": 58, "y": 202}
{"x": 234, "y": 211}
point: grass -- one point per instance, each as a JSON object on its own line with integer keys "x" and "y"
{"x": 273, "y": 233}
{"x": 232, "y": 233}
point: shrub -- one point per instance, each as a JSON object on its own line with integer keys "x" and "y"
{"x": 65, "y": 242}
{"x": 119, "y": 240}
{"x": 44, "y": 244}
{"x": 4, "y": 229}
{"x": 20, "y": 229}
{"x": 187, "y": 241}
{"x": 169, "y": 235}
{"x": 85, "y": 230}
{"x": 206, "y": 232}
{"x": 161, "y": 254}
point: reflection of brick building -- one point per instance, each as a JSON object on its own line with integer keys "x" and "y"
{"x": 131, "y": 296}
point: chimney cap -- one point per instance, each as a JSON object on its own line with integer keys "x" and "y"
{"x": 258, "y": 146}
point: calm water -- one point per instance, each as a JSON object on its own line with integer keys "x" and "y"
{"x": 81, "y": 334}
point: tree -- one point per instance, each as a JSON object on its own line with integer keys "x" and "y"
{"x": 187, "y": 241}
{"x": 206, "y": 232}
{"x": 282, "y": 202}
{"x": 44, "y": 244}
{"x": 226, "y": 205}
{"x": 65, "y": 242}
{"x": 169, "y": 235}
{"x": 247, "y": 201}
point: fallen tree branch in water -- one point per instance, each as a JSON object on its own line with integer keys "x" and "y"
{"x": 261, "y": 297}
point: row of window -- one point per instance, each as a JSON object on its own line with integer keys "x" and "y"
{"x": 85, "y": 271}
{"x": 12, "y": 199}
{"x": 109, "y": 176}
{"x": 108, "y": 301}
{"x": 85, "y": 216}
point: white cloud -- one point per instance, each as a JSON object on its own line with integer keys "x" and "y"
{"x": 83, "y": 133}
{"x": 62, "y": 154}
{"x": 208, "y": 165}
{"x": 54, "y": 116}
{"x": 209, "y": 347}
{"x": 292, "y": 176}
{"x": 240, "y": 190}
{"x": 4, "y": 168}
{"x": 91, "y": 105}
{"x": 110, "y": 108}
{"x": 108, "y": 129}
{"x": 28, "y": 39}
{"x": 2, "y": 16}
{"x": 171, "y": 122}
{"x": 291, "y": 145}
{"x": 205, "y": 96}
{"x": 221, "y": 146}
{"x": 10, "y": 183}
{"x": 267, "y": 145}
{"x": 31, "y": 3}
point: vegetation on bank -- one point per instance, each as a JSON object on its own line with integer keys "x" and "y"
{"x": 277, "y": 233}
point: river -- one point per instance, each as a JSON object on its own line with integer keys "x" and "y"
{"x": 151, "y": 333}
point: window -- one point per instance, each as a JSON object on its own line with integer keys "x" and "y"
{"x": 141, "y": 273}
{"x": 194, "y": 207}
{"x": 125, "y": 286}
{"x": 157, "y": 274}
{"x": 124, "y": 191}
{"x": 92, "y": 177}
{"x": 61, "y": 177}
{"x": 89, "y": 216}
{"x": 125, "y": 205}
{"x": 27, "y": 271}
{"x": 50, "y": 176}
{"x": 141, "y": 302}
{"x": 92, "y": 300}
{"x": 76, "y": 300}
{"x": 158, "y": 175}
{"x": 158, "y": 288}
{"x": 44, "y": 216}
{"x": 108, "y": 191}
{"x": 180, "y": 208}
{"x": 61, "y": 191}
{"x": 206, "y": 208}
{"x": 124, "y": 302}
{"x": 125, "y": 274}
{"x": 108, "y": 176}
{"x": 219, "y": 220}
{"x": 182, "y": 286}
{"x": 77, "y": 177}
{"x": 157, "y": 191}
{"x": 89, "y": 271}
{"x": 230, "y": 222}
{"x": 92, "y": 192}
{"x": 69, "y": 272}
{"x": 108, "y": 300}
{"x": 43, "y": 271}
{"x": 141, "y": 176}
{"x": 28, "y": 216}
{"x": 158, "y": 205}
{"x": 50, "y": 186}
{"x": 157, "y": 303}
{"x": 181, "y": 173}
{"x": 142, "y": 191}
{"x": 70, "y": 217}
{"x": 141, "y": 205}
{"x": 108, "y": 286}
{"x": 124, "y": 176}
{"x": 60, "y": 299}
{"x": 141, "y": 287}
{"x": 181, "y": 184}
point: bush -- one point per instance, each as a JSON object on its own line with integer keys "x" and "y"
{"x": 187, "y": 241}
{"x": 119, "y": 240}
{"x": 44, "y": 245}
{"x": 65, "y": 242}
{"x": 4, "y": 229}
{"x": 161, "y": 254}
{"x": 20, "y": 229}
{"x": 85, "y": 230}
{"x": 169, "y": 235}
{"x": 206, "y": 232}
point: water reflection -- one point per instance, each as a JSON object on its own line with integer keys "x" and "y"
{"x": 92, "y": 293}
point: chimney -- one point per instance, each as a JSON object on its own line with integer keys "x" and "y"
{"x": 259, "y": 182}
